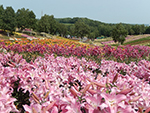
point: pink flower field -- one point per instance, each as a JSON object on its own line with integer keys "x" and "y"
{"x": 58, "y": 84}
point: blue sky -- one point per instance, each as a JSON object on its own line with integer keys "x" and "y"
{"x": 108, "y": 11}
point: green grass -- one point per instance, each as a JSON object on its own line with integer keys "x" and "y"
{"x": 116, "y": 45}
{"x": 19, "y": 36}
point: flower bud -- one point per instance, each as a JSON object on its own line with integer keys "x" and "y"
{"x": 73, "y": 92}
{"x": 135, "y": 99}
{"x": 86, "y": 88}
{"x": 115, "y": 78}
{"x": 125, "y": 91}
{"x": 50, "y": 105}
{"x": 99, "y": 84}
{"x": 92, "y": 91}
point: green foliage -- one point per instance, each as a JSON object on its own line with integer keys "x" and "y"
{"x": 129, "y": 28}
{"x": 62, "y": 29}
{"x": 147, "y": 31}
{"x": 47, "y": 24}
{"x": 131, "y": 32}
{"x": 31, "y": 20}
{"x": 8, "y": 19}
{"x": 119, "y": 33}
{"x": 122, "y": 72}
{"x": 1, "y": 12}
{"x": 94, "y": 32}
{"x": 81, "y": 29}
{"x": 102, "y": 28}
{"x": 71, "y": 30}
{"x": 138, "y": 29}
{"x": 65, "y": 20}
{"x": 92, "y": 36}
{"x": 25, "y": 19}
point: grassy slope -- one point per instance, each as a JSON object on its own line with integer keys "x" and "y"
{"x": 139, "y": 41}
{"x": 133, "y": 40}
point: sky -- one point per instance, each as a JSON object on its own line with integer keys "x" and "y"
{"x": 108, "y": 11}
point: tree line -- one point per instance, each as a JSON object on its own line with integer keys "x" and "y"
{"x": 80, "y": 27}
{"x": 99, "y": 28}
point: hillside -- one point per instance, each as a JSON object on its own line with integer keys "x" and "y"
{"x": 75, "y": 19}
{"x": 130, "y": 40}
{"x": 99, "y": 28}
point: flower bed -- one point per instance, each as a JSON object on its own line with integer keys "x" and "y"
{"x": 72, "y": 85}
{"x": 65, "y": 48}
{"x": 67, "y": 78}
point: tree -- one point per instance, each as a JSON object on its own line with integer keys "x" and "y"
{"x": 131, "y": 32}
{"x": 1, "y": 13}
{"x": 21, "y": 17}
{"x": 47, "y": 24}
{"x": 62, "y": 29}
{"x": 43, "y": 24}
{"x": 119, "y": 33}
{"x": 147, "y": 31}
{"x": 31, "y": 20}
{"x": 138, "y": 29}
{"x": 52, "y": 23}
{"x": 105, "y": 30}
{"x": 71, "y": 30}
{"x": 142, "y": 29}
{"x": 92, "y": 36}
{"x": 25, "y": 19}
{"x": 81, "y": 29}
{"x": 9, "y": 20}
{"x": 96, "y": 32}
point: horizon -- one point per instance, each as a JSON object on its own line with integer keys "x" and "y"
{"x": 125, "y": 11}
